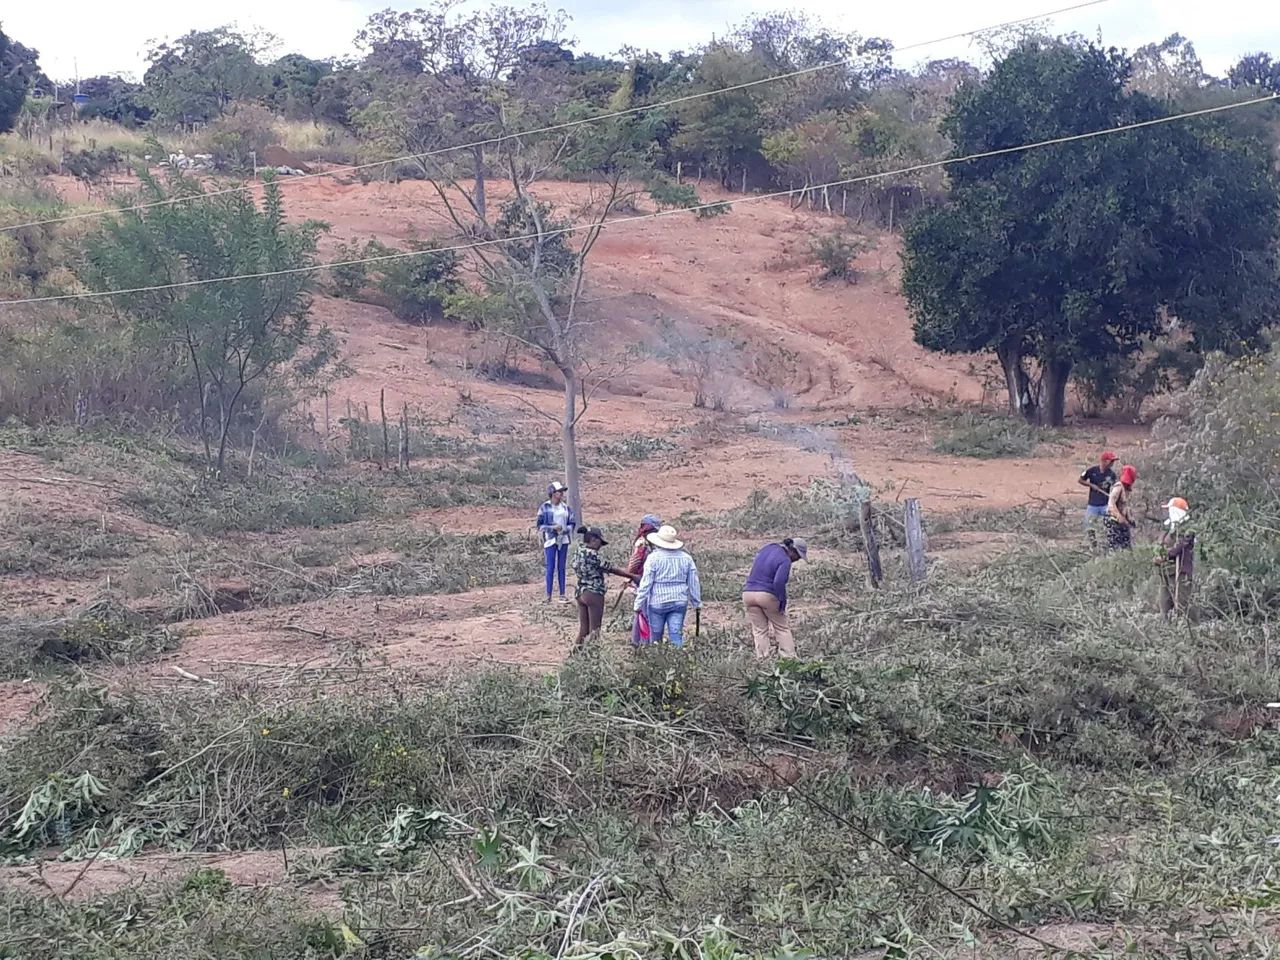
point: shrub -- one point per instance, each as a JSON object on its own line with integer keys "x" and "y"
{"x": 1124, "y": 383}
{"x": 1221, "y": 451}
{"x": 235, "y": 138}
{"x": 633, "y": 448}
{"x": 835, "y": 254}
{"x": 90, "y": 166}
{"x": 349, "y": 278}
{"x": 103, "y": 631}
{"x": 89, "y": 370}
{"x": 418, "y": 285}
{"x": 989, "y": 437}
{"x": 669, "y": 195}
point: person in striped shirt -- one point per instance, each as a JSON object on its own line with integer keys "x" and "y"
{"x": 668, "y": 587}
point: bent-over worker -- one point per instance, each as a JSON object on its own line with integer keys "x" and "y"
{"x": 765, "y": 597}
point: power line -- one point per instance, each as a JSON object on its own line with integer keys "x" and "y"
{"x": 553, "y": 128}
{"x": 575, "y": 228}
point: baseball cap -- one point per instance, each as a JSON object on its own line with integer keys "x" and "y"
{"x": 597, "y": 533}
{"x": 800, "y": 547}
{"x": 556, "y": 487}
{"x": 1109, "y": 456}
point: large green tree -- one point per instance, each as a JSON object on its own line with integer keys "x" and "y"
{"x": 241, "y": 338}
{"x": 438, "y": 78}
{"x": 18, "y": 71}
{"x": 196, "y": 77}
{"x": 1075, "y": 252}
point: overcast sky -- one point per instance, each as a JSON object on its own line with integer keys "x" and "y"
{"x": 100, "y": 37}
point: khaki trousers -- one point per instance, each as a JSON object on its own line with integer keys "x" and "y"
{"x": 769, "y": 625}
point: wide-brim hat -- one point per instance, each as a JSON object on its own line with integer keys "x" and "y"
{"x": 666, "y": 538}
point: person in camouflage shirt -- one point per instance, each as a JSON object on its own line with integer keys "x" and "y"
{"x": 590, "y": 568}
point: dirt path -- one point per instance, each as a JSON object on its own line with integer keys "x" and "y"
{"x": 85, "y": 879}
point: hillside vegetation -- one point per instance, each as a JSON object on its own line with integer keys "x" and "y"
{"x": 276, "y": 676}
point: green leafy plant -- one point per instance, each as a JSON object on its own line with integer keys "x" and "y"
{"x": 835, "y": 254}
{"x": 419, "y": 284}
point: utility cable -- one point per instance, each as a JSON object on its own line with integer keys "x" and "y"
{"x": 638, "y": 218}
{"x": 553, "y": 128}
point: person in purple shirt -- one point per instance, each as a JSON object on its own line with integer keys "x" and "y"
{"x": 765, "y": 597}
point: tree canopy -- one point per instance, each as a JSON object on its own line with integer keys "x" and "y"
{"x": 1075, "y": 252}
{"x": 18, "y": 73}
{"x": 236, "y": 336}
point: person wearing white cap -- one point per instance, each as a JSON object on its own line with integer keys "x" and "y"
{"x": 668, "y": 587}
{"x": 1176, "y": 557}
{"x": 556, "y": 524}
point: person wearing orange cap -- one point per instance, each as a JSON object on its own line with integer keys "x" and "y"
{"x": 1119, "y": 519}
{"x": 1176, "y": 558}
{"x": 1099, "y": 479}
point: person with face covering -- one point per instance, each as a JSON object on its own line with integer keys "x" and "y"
{"x": 1176, "y": 558}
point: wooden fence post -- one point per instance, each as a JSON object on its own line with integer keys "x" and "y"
{"x": 404, "y": 438}
{"x": 386, "y": 435}
{"x": 874, "y": 572}
{"x": 914, "y": 522}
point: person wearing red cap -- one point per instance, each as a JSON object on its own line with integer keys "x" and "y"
{"x": 1119, "y": 519}
{"x": 1099, "y": 479}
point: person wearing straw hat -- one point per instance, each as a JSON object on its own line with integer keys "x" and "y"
{"x": 668, "y": 587}
{"x": 640, "y": 549}
{"x": 1119, "y": 519}
{"x": 1099, "y": 479}
{"x": 1176, "y": 558}
{"x": 555, "y": 523}
{"x": 765, "y": 597}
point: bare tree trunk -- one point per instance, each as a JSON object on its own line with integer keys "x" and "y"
{"x": 481, "y": 207}
{"x": 1057, "y": 373}
{"x": 1018, "y": 384}
{"x": 569, "y": 438}
{"x": 222, "y": 447}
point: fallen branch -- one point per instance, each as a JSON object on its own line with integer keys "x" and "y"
{"x": 320, "y": 634}
{"x": 187, "y": 675}
{"x": 53, "y": 481}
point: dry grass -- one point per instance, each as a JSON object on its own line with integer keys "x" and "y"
{"x": 316, "y": 141}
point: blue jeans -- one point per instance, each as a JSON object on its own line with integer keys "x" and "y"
{"x": 668, "y": 620}
{"x": 557, "y": 556}
{"x": 1092, "y": 520}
